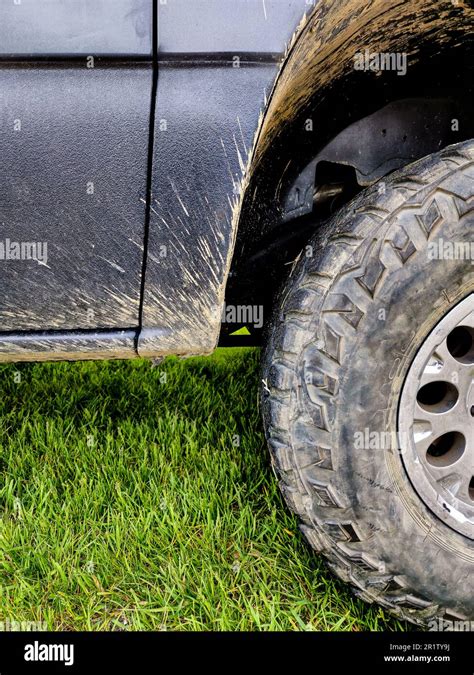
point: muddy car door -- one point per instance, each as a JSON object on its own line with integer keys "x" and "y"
{"x": 75, "y": 94}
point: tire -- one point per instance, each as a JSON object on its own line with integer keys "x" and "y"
{"x": 355, "y": 310}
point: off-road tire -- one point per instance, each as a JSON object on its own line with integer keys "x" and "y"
{"x": 355, "y": 309}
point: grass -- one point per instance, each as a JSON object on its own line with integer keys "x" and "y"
{"x": 136, "y": 497}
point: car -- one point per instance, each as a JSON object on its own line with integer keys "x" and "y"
{"x": 292, "y": 174}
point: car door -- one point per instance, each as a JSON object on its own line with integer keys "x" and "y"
{"x": 75, "y": 94}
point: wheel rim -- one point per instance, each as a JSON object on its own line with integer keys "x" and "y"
{"x": 436, "y": 419}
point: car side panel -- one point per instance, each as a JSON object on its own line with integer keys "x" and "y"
{"x": 76, "y": 82}
{"x": 228, "y": 26}
{"x": 217, "y": 62}
{"x": 74, "y": 146}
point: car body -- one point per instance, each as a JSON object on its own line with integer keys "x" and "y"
{"x": 135, "y": 137}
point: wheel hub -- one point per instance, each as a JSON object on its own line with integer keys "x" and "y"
{"x": 436, "y": 419}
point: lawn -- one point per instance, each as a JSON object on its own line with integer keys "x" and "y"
{"x": 140, "y": 497}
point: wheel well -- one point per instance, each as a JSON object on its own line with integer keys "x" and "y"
{"x": 348, "y": 131}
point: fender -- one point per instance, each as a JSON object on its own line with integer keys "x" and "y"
{"x": 213, "y": 86}
{"x": 224, "y": 123}
{"x": 325, "y": 53}
{"x": 320, "y": 87}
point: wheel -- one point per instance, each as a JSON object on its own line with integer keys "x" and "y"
{"x": 368, "y": 390}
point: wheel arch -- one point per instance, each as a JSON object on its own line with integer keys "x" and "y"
{"x": 318, "y": 84}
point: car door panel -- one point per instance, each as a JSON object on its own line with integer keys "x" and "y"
{"x": 74, "y": 142}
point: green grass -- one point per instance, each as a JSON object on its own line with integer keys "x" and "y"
{"x": 141, "y": 498}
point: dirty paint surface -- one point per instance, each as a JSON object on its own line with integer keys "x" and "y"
{"x": 219, "y": 117}
{"x": 74, "y": 162}
{"x": 208, "y": 112}
{"x": 68, "y": 346}
{"x": 217, "y": 131}
{"x": 208, "y": 118}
